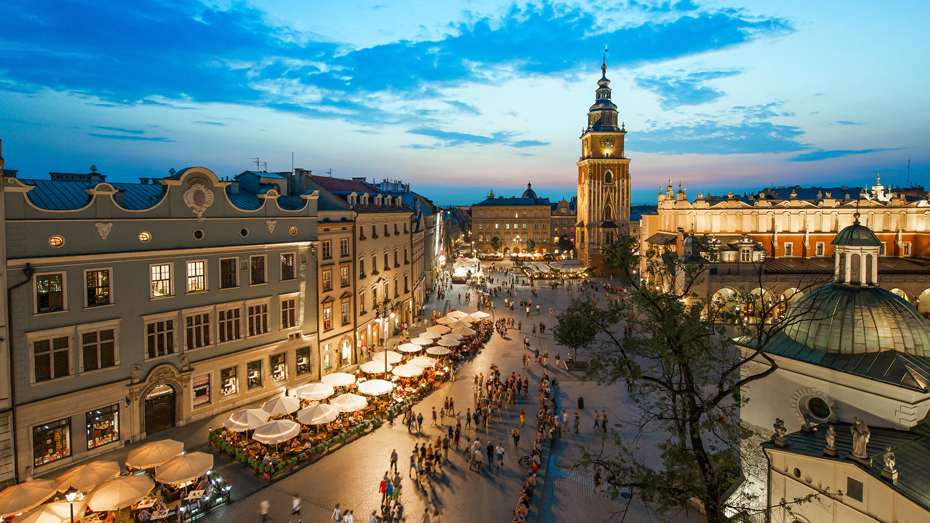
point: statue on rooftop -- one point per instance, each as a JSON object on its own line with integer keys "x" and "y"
{"x": 860, "y": 433}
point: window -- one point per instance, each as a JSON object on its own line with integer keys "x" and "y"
{"x": 374, "y": 299}
{"x": 197, "y": 330}
{"x": 229, "y": 324}
{"x": 98, "y": 287}
{"x": 818, "y": 249}
{"x": 278, "y": 367}
{"x": 161, "y": 280}
{"x": 50, "y": 292}
{"x": 229, "y": 382}
{"x": 396, "y": 288}
{"x": 200, "y": 386}
{"x": 386, "y": 231}
{"x": 196, "y": 276}
{"x": 327, "y": 318}
{"x": 406, "y": 285}
{"x": 287, "y": 266}
{"x": 51, "y": 442}
{"x": 907, "y": 248}
{"x": 507, "y": 226}
{"x": 345, "y": 313}
{"x": 257, "y": 270}
{"x": 102, "y": 426}
{"x": 361, "y": 267}
{"x": 819, "y": 408}
{"x": 51, "y": 358}
{"x": 98, "y": 349}
{"x": 789, "y": 249}
{"x": 361, "y": 302}
{"x": 327, "y": 363}
{"x": 480, "y": 227}
{"x": 497, "y": 226}
{"x": 303, "y": 361}
{"x": 56, "y": 241}
{"x": 344, "y": 276}
{"x": 159, "y": 337}
{"x": 292, "y": 230}
{"x": 387, "y": 264}
{"x": 254, "y": 374}
{"x": 406, "y": 259}
{"x": 327, "y": 280}
{"x": 745, "y": 255}
{"x": 374, "y": 232}
{"x": 544, "y": 226}
{"x": 288, "y": 313}
{"x": 346, "y": 353}
{"x": 881, "y": 249}
{"x": 327, "y": 249}
{"x": 374, "y": 264}
{"x": 395, "y": 260}
{"x": 258, "y": 318}
{"x": 344, "y": 247}
{"x": 229, "y": 273}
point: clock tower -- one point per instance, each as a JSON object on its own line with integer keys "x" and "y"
{"x": 603, "y": 180}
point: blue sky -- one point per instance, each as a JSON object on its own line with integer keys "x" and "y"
{"x": 460, "y": 97}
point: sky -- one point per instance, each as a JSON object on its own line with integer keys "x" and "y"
{"x": 461, "y": 97}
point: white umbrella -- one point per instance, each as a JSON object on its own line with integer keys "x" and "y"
{"x": 281, "y": 406}
{"x": 392, "y": 357}
{"x": 376, "y": 387}
{"x": 439, "y": 329}
{"x": 349, "y": 403}
{"x": 243, "y": 420}
{"x": 338, "y": 379}
{"x": 152, "y": 454}
{"x": 423, "y": 361}
{"x": 86, "y": 477}
{"x": 464, "y": 331}
{"x": 470, "y": 319}
{"x": 450, "y": 343}
{"x": 480, "y": 315}
{"x": 438, "y": 351}
{"x": 374, "y": 367}
{"x": 318, "y": 414}
{"x": 119, "y": 493}
{"x": 429, "y": 335}
{"x": 184, "y": 468}
{"x": 22, "y": 497}
{"x": 315, "y": 391}
{"x": 57, "y": 512}
{"x": 407, "y": 371}
{"x": 410, "y": 347}
{"x": 276, "y": 431}
{"x": 423, "y": 341}
{"x": 445, "y": 320}
{"x": 457, "y": 314}
{"x": 458, "y": 325}
{"x": 451, "y": 337}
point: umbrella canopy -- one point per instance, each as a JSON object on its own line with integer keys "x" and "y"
{"x": 410, "y": 347}
{"x": 445, "y": 320}
{"x": 407, "y": 371}
{"x": 276, "y": 431}
{"x": 241, "y": 421}
{"x": 374, "y": 367}
{"x": 318, "y": 414}
{"x": 457, "y": 314}
{"x": 57, "y": 512}
{"x": 315, "y": 391}
{"x": 450, "y": 343}
{"x": 469, "y": 319}
{"x": 464, "y": 331}
{"x": 423, "y": 341}
{"x": 349, "y": 403}
{"x": 338, "y": 379}
{"x": 429, "y": 335}
{"x": 183, "y": 468}
{"x": 22, "y": 497}
{"x": 392, "y": 357}
{"x": 458, "y": 325}
{"x": 281, "y": 406}
{"x": 439, "y": 329}
{"x": 119, "y": 493}
{"x": 86, "y": 477}
{"x": 450, "y": 337}
{"x": 423, "y": 361}
{"x": 438, "y": 351}
{"x": 376, "y": 387}
{"x": 480, "y": 315}
{"x": 151, "y": 455}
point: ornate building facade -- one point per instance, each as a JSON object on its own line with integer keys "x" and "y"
{"x": 514, "y": 222}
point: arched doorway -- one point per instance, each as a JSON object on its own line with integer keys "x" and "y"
{"x": 923, "y": 303}
{"x": 160, "y": 409}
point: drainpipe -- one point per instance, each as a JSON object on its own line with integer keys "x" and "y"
{"x": 28, "y": 271}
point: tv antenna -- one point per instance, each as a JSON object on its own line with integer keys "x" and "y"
{"x": 330, "y": 173}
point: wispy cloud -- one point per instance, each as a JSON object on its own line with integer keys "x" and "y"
{"x": 119, "y": 129}
{"x": 689, "y": 89}
{"x": 815, "y": 156}
{"x": 455, "y": 139}
{"x": 130, "y": 137}
{"x": 847, "y": 122}
{"x": 207, "y": 122}
{"x": 761, "y": 112}
{"x": 714, "y": 138}
{"x": 464, "y": 107}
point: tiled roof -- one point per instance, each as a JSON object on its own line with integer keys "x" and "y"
{"x": 342, "y": 186}
{"x": 65, "y": 196}
{"x": 822, "y": 265}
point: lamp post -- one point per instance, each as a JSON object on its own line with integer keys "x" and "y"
{"x": 71, "y": 495}
{"x": 383, "y": 307}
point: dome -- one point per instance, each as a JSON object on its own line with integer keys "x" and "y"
{"x": 529, "y": 192}
{"x": 856, "y": 235}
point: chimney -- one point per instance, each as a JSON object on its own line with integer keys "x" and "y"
{"x": 144, "y": 181}
{"x": 234, "y": 187}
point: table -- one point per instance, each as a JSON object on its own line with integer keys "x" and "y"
{"x": 194, "y": 495}
{"x": 146, "y": 503}
{"x": 160, "y": 515}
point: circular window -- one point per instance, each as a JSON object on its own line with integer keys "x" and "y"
{"x": 818, "y": 408}
{"x": 198, "y": 234}
{"x": 243, "y": 232}
{"x": 144, "y": 237}
{"x": 293, "y": 230}
{"x": 56, "y": 241}
{"x": 797, "y": 473}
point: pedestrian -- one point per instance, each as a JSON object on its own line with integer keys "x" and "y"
{"x": 576, "y": 423}
{"x": 452, "y": 405}
{"x": 597, "y": 481}
{"x": 564, "y": 420}
{"x": 419, "y": 423}
{"x": 550, "y": 312}
{"x": 437, "y": 517}
{"x": 295, "y": 508}
{"x": 467, "y": 418}
{"x": 337, "y": 515}
{"x": 413, "y": 459}
{"x": 394, "y": 460}
{"x": 479, "y": 461}
{"x": 597, "y": 420}
{"x": 434, "y": 417}
{"x": 349, "y": 517}
{"x": 490, "y": 453}
{"x": 263, "y": 508}
{"x": 500, "y": 454}
{"x": 382, "y": 488}
{"x": 522, "y": 418}
{"x": 604, "y": 422}
{"x": 427, "y": 517}
{"x": 398, "y": 512}
{"x": 442, "y": 415}
{"x": 515, "y": 433}
{"x": 390, "y": 493}
{"x": 396, "y": 492}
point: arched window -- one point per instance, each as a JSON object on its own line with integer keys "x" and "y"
{"x": 608, "y": 177}
{"x": 608, "y": 213}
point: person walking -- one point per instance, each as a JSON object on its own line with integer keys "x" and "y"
{"x": 263, "y": 508}
{"x": 564, "y": 420}
{"x": 467, "y": 418}
{"x": 295, "y": 508}
{"x": 420, "y": 423}
{"x": 576, "y": 423}
{"x": 394, "y": 460}
{"x": 597, "y": 481}
{"x": 515, "y": 433}
{"x": 413, "y": 460}
{"x": 442, "y": 415}
{"x": 337, "y": 515}
{"x": 382, "y": 488}
{"x": 349, "y": 517}
{"x": 490, "y": 453}
{"x": 522, "y": 418}
{"x": 499, "y": 450}
{"x": 604, "y": 422}
{"x": 434, "y": 418}
{"x": 597, "y": 420}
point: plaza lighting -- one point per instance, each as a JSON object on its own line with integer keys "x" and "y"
{"x": 71, "y": 495}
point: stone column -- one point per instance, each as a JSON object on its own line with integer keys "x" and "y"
{"x": 862, "y": 275}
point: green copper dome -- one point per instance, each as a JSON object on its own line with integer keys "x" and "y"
{"x": 856, "y": 235}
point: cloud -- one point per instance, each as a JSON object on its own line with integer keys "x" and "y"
{"x": 761, "y": 112}
{"x": 713, "y": 138}
{"x": 455, "y": 139}
{"x": 207, "y": 122}
{"x": 815, "y": 156}
{"x": 118, "y": 129}
{"x": 464, "y": 107}
{"x": 130, "y": 137}
{"x": 847, "y": 122}
{"x": 676, "y": 91}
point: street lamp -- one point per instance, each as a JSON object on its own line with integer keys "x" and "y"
{"x": 384, "y": 306}
{"x": 71, "y": 495}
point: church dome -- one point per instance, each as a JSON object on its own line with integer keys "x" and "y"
{"x": 529, "y": 192}
{"x": 856, "y": 235}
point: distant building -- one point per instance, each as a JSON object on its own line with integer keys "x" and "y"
{"x": 514, "y": 222}
{"x": 564, "y": 216}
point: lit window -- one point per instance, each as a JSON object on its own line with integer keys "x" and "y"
{"x": 344, "y": 276}
{"x": 161, "y": 280}
{"x": 50, "y": 293}
{"x": 327, "y": 280}
{"x": 257, "y": 269}
{"x": 345, "y": 313}
{"x": 287, "y": 266}
{"x": 56, "y": 241}
{"x": 196, "y": 276}
{"x": 327, "y": 318}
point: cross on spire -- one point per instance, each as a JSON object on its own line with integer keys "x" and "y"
{"x": 604, "y": 63}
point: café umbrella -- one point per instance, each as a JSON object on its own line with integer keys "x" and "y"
{"x": 464, "y": 331}
{"x": 281, "y": 406}
{"x": 407, "y": 371}
{"x": 276, "y": 431}
{"x": 430, "y": 335}
{"x": 120, "y": 493}
{"x": 184, "y": 468}
{"x": 449, "y": 343}
{"x": 445, "y": 320}
{"x": 409, "y": 347}
{"x": 85, "y": 477}
{"x": 244, "y": 420}
{"x": 392, "y": 357}
{"x": 153, "y": 454}
{"x": 457, "y": 325}
{"x": 480, "y": 315}
{"x": 451, "y": 337}
{"x": 423, "y": 341}
{"x": 315, "y": 391}
{"x": 374, "y": 367}
{"x": 438, "y": 351}
{"x": 349, "y": 402}
{"x": 57, "y": 512}
{"x": 423, "y": 361}
{"x": 338, "y": 379}
{"x": 376, "y": 387}
{"x": 457, "y": 314}
{"x": 439, "y": 329}
{"x": 318, "y": 414}
{"x": 22, "y": 497}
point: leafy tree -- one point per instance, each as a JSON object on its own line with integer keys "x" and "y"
{"x": 496, "y": 243}
{"x": 530, "y": 245}
{"x": 565, "y": 244}
{"x": 676, "y": 350}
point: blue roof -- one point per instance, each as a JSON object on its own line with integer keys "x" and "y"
{"x": 66, "y": 196}
{"x": 263, "y": 174}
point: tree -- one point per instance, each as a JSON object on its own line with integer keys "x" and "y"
{"x": 687, "y": 374}
{"x": 496, "y": 243}
{"x": 530, "y": 245}
{"x": 565, "y": 244}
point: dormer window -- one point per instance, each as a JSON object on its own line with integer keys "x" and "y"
{"x": 377, "y": 199}
{"x": 745, "y": 255}
{"x": 365, "y": 198}
{"x": 352, "y": 198}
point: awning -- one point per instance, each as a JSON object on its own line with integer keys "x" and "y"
{"x": 662, "y": 238}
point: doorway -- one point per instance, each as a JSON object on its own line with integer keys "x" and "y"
{"x": 160, "y": 409}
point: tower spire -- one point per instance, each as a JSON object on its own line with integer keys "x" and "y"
{"x": 604, "y": 63}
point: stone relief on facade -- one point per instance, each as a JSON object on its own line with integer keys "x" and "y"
{"x": 103, "y": 229}
{"x": 198, "y": 198}
{"x": 271, "y": 224}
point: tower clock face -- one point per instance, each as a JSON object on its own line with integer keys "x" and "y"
{"x": 607, "y": 142}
